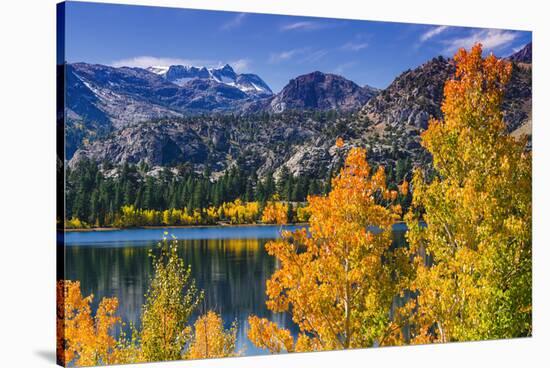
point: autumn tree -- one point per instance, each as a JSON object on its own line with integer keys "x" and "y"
{"x": 275, "y": 212}
{"x": 84, "y": 340}
{"x": 171, "y": 299}
{"x": 268, "y": 335}
{"x": 165, "y": 334}
{"x": 473, "y": 257}
{"x": 339, "y": 280}
{"x": 211, "y": 340}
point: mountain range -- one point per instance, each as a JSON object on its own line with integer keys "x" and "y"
{"x": 216, "y": 117}
{"x": 251, "y": 84}
{"x": 316, "y": 91}
{"x": 125, "y": 95}
{"x": 416, "y": 95}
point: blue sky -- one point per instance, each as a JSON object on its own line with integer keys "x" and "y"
{"x": 276, "y": 47}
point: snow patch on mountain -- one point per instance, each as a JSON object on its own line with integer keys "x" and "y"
{"x": 181, "y": 74}
{"x": 160, "y": 70}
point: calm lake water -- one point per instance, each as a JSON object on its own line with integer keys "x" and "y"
{"x": 229, "y": 263}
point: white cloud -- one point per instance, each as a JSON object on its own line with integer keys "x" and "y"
{"x": 491, "y": 39}
{"x": 516, "y": 49}
{"x": 300, "y": 55}
{"x": 313, "y": 56}
{"x": 304, "y": 25}
{"x": 340, "y": 69}
{"x": 146, "y": 61}
{"x": 354, "y": 46}
{"x": 278, "y": 57}
{"x": 241, "y": 65}
{"x": 235, "y": 22}
{"x": 434, "y": 31}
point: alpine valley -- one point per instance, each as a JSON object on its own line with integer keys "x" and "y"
{"x": 210, "y": 120}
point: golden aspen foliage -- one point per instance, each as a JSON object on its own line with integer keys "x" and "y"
{"x": 404, "y": 188}
{"x": 302, "y": 214}
{"x": 171, "y": 299}
{"x": 238, "y": 212}
{"x": 268, "y": 335}
{"x": 211, "y": 340}
{"x": 473, "y": 257}
{"x": 83, "y": 340}
{"x": 275, "y": 212}
{"x": 165, "y": 334}
{"x": 75, "y": 223}
{"x": 338, "y": 282}
{"x": 128, "y": 348}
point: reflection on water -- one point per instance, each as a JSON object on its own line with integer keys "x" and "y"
{"x": 229, "y": 264}
{"x": 232, "y": 272}
{"x": 143, "y": 236}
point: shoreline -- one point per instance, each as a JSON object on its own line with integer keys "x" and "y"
{"x": 100, "y": 229}
{"x": 158, "y": 227}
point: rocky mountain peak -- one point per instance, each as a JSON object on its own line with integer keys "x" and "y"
{"x": 227, "y": 68}
{"x": 180, "y": 73}
{"x": 321, "y": 91}
{"x": 416, "y": 95}
{"x": 413, "y": 97}
{"x": 250, "y": 84}
{"x": 524, "y": 55}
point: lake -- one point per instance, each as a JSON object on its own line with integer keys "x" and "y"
{"x": 229, "y": 263}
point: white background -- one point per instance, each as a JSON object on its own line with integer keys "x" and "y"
{"x": 27, "y": 180}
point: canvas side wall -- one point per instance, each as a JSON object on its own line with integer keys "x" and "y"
{"x": 60, "y": 177}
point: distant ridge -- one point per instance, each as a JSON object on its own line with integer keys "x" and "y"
{"x": 181, "y": 74}
{"x": 525, "y": 55}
